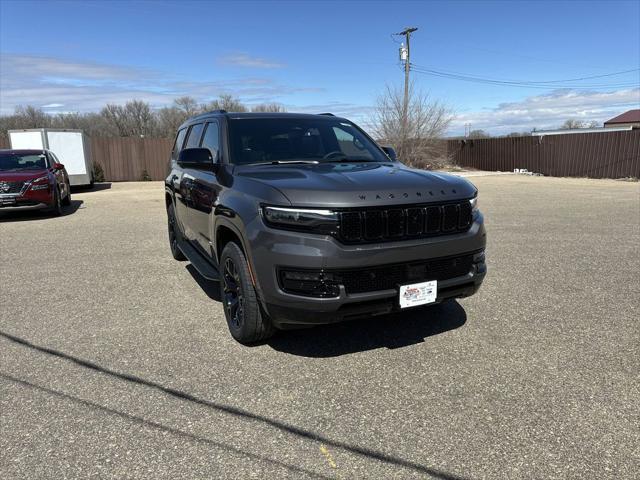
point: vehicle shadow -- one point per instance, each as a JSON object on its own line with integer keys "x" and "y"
{"x": 212, "y": 289}
{"x": 395, "y": 330}
{"x": 97, "y": 187}
{"x": 38, "y": 214}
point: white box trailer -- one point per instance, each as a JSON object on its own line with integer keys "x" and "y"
{"x": 72, "y": 147}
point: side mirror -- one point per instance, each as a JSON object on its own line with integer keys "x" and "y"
{"x": 58, "y": 166}
{"x": 391, "y": 153}
{"x": 197, "y": 158}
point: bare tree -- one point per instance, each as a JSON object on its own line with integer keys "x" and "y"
{"x": 135, "y": 118}
{"x": 115, "y": 120}
{"x": 139, "y": 118}
{"x": 188, "y": 105}
{"x": 226, "y": 102}
{"x": 168, "y": 121}
{"x": 268, "y": 107}
{"x": 420, "y": 143}
{"x": 32, "y": 117}
{"x": 478, "y": 134}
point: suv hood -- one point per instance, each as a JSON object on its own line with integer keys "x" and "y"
{"x": 358, "y": 184}
{"x": 22, "y": 176}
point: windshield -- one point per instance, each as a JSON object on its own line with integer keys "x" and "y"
{"x": 266, "y": 140}
{"x": 16, "y": 162}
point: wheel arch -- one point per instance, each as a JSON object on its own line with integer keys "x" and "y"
{"x": 168, "y": 198}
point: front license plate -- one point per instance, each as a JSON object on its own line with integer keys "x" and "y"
{"x": 7, "y": 201}
{"x": 418, "y": 294}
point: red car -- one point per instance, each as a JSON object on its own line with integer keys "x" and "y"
{"x": 33, "y": 180}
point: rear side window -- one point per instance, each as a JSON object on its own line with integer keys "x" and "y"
{"x": 193, "y": 141}
{"x": 211, "y": 139}
{"x": 178, "y": 145}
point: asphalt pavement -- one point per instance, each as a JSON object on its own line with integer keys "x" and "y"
{"x": 116, "y": 362}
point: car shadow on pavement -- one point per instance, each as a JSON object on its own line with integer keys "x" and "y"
{"x": 212, "y": 289}
{"x": 396, "y": 330}
{"x": 97, "y": 187}
{"x": 38, "y": 214}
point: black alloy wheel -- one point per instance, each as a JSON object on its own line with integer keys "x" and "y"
{"x": 233, "y": 296}
{"x": 246, "y": 320}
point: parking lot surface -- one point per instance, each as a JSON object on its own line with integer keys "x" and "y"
{"x": 116, "y": 361}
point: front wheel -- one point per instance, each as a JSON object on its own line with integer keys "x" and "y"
{"x": 67, "y": 200}
{"x": 56, "y": 207}
{"x": 246, "y": 321}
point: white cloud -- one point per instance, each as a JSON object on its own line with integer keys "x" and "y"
{"x": 50, "y": 83}
{"x": 549, "y": 111}
{"x": 245, "y": 60}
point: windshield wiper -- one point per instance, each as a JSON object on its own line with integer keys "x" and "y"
{"x": 284, "y": 162}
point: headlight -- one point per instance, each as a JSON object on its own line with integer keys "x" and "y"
{"x": 474, "y": 203}
{"x": 306, "y": 220}
{"x": 41, "y": 183}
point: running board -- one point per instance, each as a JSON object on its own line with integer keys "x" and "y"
{"x": 201, "y": 264}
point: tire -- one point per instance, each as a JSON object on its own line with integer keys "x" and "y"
{"x": 67, "y": 200}
{"x": 245, "y": 319}
{"x": 56, "y": 208}
{"x": 174, "y": 235}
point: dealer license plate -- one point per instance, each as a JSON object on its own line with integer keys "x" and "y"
{"x": 7, "y": 201}
{"x": 418, "y": 294}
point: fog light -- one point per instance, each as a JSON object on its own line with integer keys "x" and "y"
{"x": 312, "y": 283}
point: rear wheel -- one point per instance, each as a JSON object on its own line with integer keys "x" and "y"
{"x": 174, "y": 234}
{"x": 245, "y": 319}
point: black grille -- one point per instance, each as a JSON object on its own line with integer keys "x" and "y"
{"x": 374, "y": 223}
{"x": 370, "y": 225}
{"x": 11, "y": 187}
{"x": 388, "y": 277}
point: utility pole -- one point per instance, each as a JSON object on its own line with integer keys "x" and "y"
{"x": 405, "y": 54}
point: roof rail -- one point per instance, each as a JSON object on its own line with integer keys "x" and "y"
{"x": 327, "y": 114}
{"x": 215, "y": 111}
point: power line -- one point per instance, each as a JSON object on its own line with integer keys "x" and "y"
{"x": 531, "y": 81}
{"x": 522, "y": 84}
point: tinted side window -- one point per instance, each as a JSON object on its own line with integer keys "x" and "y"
{"x": 194, "y": 136}
{"x": 211, "y": 139}
{"x": 178, "y": 145}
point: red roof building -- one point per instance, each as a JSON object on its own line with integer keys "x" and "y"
{"x": 627, "y": 119}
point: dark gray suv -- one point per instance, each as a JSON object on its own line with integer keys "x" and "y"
{"x": 304, "y": 219}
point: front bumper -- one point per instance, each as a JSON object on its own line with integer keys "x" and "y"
{"x": 26, "y": 200}
{"x": 275, "y": 249}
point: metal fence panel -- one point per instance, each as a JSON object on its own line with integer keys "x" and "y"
{"x": 594, "y": 155}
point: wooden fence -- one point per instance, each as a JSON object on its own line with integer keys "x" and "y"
{"x": 126, "y": 159}
{"x": 129, "y": 158}
{"x": 595, "y": 155}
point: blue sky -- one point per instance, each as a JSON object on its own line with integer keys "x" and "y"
{"x": 324, "y": 56}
